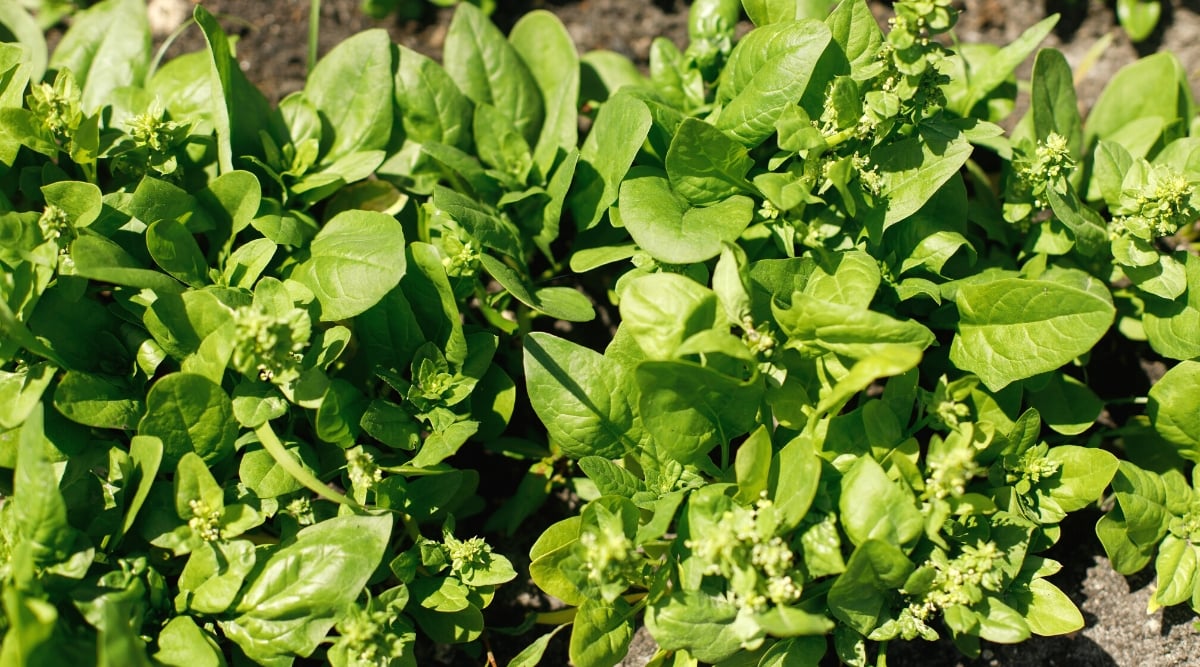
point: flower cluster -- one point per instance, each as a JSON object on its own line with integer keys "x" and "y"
{"x": 371, "y": 637}
{"x": 361, "y": 468}
{"x": 206, "y": 521}
{"x": 1029, "y": 468}
{"x": 269, "y": 346}
{"x": 469, "y": 554}
{"x": 759, "y": 566}
{"x": 1049, "y": 164}
{"x": 58, "y": 106}
{"x": 1164, "y": 203}
{"x": 944, "y": 583}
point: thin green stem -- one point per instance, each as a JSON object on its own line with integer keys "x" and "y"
{"x": 291, "y": 466}
{"x": 314, "y": 30}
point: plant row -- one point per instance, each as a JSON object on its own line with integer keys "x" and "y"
{"x": 268, "y": 372}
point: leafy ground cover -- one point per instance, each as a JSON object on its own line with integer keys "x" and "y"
{"x": 272, "y": 369}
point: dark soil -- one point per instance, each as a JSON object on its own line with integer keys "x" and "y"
{"x": 272, "y": 51}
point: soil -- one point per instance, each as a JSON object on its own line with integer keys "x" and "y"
{"x": 1119, "y": 632}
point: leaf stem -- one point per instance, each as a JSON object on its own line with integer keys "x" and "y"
{"x": 275, "y": 448}
{"x": 314, "y": 29}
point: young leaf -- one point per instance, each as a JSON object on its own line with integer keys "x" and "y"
{"x": 1174, "y": 408}
{"x": 107, "y": 47}
{"x": 671, "y": 230}
{"x": 490, "y": 71}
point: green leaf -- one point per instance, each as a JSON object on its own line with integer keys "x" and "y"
{"x": 561, "y": 303}
{"x": 547, "y": 49}
{"x": 175, "y": 251}
{"x": 584, "y": 399}
{"x": 852, "y": 331}
{"x": 690, "y": 409}
{"x": 432, "y": 108}
{"x": 355, "y": 260}
{"x": 1151, "y": 89}
{"x": 181, "y": 643}
{"x": 490, "y": 71}
{"x": 704, "y": 165}
{"x": 859, "y": 595}
{"x": 914, "y": 169}
{"x": 708, "y": 627}
{"x": 602, "y": 633}
{"x": 189, "y": 413}
{"x": 1174, "y": 408}
{"x": 616, "y": 136}
{"x": 292, "y": 602}
{"x": 552, "y": 561}
{"x": 100, "y": 259}
{"x": 1010, "y": 328}
{"x": 770, "y": 69}
{"x": 1046, "y": 609}
{"x": 661, "y": 325}
{"x": 531, "y": 655}
{"x": 610, "y": 479}
{"x": 1052, "y": 100}
{"x": 671, "y": 230}
{"x": 1001, "y": 65}
{"x": 1065, "y": 404}
{"x": 1171, "y": 325}
{"x": 107, "y": 47}
{"x": 854, "y": 29}
{"x": 752, "y": 464}
{"x": 1176, "y": 568}
{"x": 1083, "y": 475}
{"x": 21, "y": 392}
{"x": 98, "y": 401}
{"x": 891, "y": 516}
{"x": 239, "y": 110}
{"x": 351, "y": 87}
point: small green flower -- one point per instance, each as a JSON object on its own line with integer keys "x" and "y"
{"x": 205, "y": 521}
{"x": 270, "y": 346}
{"x": 364, "y": 473}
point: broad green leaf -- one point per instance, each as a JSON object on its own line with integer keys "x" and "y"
{"x": 175, "y": 251}
{"x": 585, "y": 399}
{"x": 602, "y": 633}
{"x": 214, "y": 574}
{"x": 21, "y": 392}
{"x": 29, "y": 49}
{"x": 490, "y": 71}
{"x": 189, "y": 413}
{"x": 1153, "y": 88}
{"x": 708, "y": 627}
{"x": 1046, "y": 609}
{"x": 293, "y": 600}
{"x": 1010, "y": 328}
{"x": 914, "y": 169}
{"x": 352, "y": 89}
{"x": 181, "y": 643}
{"x": 1083, "y": 475}
{"x": 39, "y": 509}
{"x": 660, "y": 325}
{"x": 1174, "y": 408}
{"x": 1171, "y": 325}
{"x": 1052, "y": 100}
{"x": 848, "y": 278}
{"x": 551, "y": 559}
{"x": 998, "y": 68}
{"x": 432, "y": 108}
{"x": 812, "y": 323}
{"x": 769, "y": 69}
{"x": 891, "y": 516}
{"x": 1000, "y": 623}
{"x": 99, "y": 401}
{"x": 616, "y": 136}
{"x": 854, "y": 29}
{"x": 546, "y": 48}
{"x": 107, "y": 47}
{"x": 1085, "y": 224}
{"x": 531, "y": 655}
{"x": 752, "y": 464}
{"x": 1065, "y": 404}
{"x": 82, "y": 201}
{"x": 690, "y": 409}
{"x": 704, "y": 165}
{"x": 263, "y": 475}
{"x": 672, "y": 231}
{"x": 1176, "y": 569}
{"x": 610, "y": 479}
{"x": 356, "y": 259}
{"x": 859, "y": 595}
{"x": 100, "y": 259}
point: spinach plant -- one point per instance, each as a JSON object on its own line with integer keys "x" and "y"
{"x": 839, "y": 407}
{"x": 243, "y": 345}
